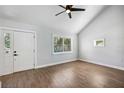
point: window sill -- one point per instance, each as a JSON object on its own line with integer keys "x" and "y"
{"x": 62, "y": 53}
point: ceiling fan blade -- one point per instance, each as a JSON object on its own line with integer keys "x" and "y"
{"x": 70, "y": 6}
{"x": 60, "y": 13}
{"x": 62, "y": 6}
{"x": 77, "y": 9}
{"x": 69, "y": 14}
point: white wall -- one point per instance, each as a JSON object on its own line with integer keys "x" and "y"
{"x": 44, "y": 42}
{"x": 45, "y": 55}
{"x": 109, "y": 25}
{"x": 1, "y": 58}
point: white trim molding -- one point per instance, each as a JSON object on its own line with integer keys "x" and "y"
{"x": 106, "y": 65}
{"x": 0, "y": 84}
{"x": 15, "y": 29}
{"x": 56, "y": 63}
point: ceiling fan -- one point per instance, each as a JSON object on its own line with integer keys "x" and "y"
{"x": 68, "y": 9}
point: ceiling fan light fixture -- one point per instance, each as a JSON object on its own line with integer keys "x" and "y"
{"x": 68, "y": 11}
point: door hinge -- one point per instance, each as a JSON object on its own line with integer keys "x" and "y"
{"x": 34, "y": 36}
{"x": 34, "y": 50}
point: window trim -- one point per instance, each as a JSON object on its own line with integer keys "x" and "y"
{"x": 63, "y": 36}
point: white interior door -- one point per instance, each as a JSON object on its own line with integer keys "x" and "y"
{"x": 7, "y": 45}
{"x": 16, "y": 51}
{"x": 23, "y": 51}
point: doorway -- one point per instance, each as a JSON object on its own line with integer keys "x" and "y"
{"x": 18, "y": 51}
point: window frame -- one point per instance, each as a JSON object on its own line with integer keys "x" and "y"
{"x": 62, "y": 36}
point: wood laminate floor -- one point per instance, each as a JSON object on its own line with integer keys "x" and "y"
{"x": 69, "y": 75}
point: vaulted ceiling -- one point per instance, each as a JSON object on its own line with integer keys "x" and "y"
{"x": 45, "y": 15}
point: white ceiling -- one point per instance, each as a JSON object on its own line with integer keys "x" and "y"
{"x": 45, "y": 15}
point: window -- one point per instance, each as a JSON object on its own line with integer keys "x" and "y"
{"x": 7, "y": 40}
{"x": 67, "y": 44}
{"x": 99, "y": 43}
{"x": 58, "y": 44}
{"x": 62, "y": 44}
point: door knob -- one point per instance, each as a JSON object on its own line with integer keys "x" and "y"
{"x": 15, "y": 54}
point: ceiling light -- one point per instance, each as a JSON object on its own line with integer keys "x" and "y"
{"x": 68, "y": 11}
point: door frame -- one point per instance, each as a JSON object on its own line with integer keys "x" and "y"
{"x": 25, "y": 31}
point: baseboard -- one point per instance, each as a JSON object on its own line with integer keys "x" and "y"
{"x": 46, "y": 65}
{"x": 1, "y": 74}
{"x": 106, "y": 65}
{"x": 0, "y": 84}
{"x": 56, "y": 63}
{"x": 7, "y": 74}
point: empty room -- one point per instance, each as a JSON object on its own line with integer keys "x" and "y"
{"x": 61, "y": 46}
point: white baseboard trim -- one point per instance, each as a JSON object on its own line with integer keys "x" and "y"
{"x": 6, "y": 74}
{"x": 56, "y": 63}
{"x": 106, "y": 65}
{"x": 46, "y": 65}
{"x": 0, "y": 84}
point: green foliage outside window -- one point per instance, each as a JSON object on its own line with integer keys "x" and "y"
{"x": 7, "y": 40}
{"x": 67, "y": 44}
{"x": 62, "y": 44}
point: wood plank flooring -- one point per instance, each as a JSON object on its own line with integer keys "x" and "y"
{"x": 75, "y": 74}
